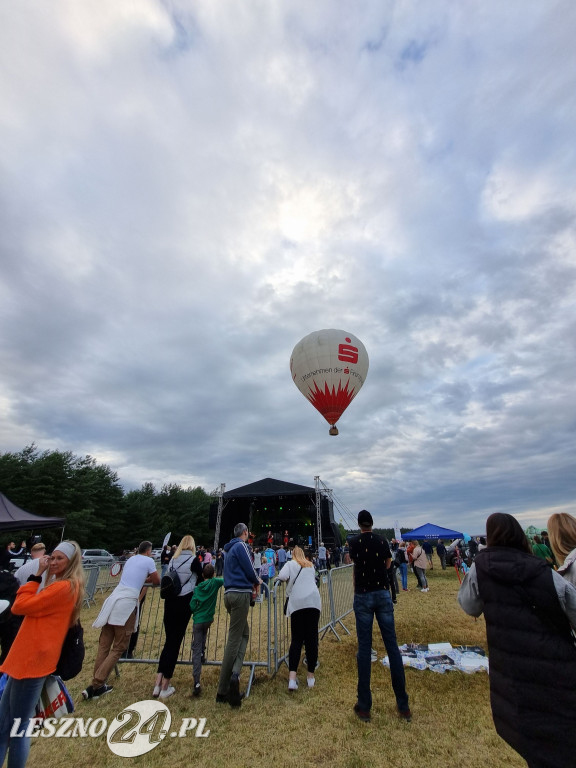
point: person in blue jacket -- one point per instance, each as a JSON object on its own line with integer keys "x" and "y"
{"x": 239, "y": 581}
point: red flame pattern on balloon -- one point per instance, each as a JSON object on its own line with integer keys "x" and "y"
{"x": 332, "y": 402}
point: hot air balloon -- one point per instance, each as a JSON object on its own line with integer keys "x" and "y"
{"x": 329, "y": 367}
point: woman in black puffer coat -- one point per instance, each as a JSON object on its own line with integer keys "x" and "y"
{"x": 529, "y": 611}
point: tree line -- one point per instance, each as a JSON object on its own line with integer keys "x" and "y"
{"x": 97, "y": 510}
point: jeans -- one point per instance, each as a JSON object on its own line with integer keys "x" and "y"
{"x": 264, "y": 590}
{"x": 421, "y": 576}
{"x": 367, "y": 606}
{"x": 403, "y": 568}
{"x": 199, "y": 647}
{"x": 18, "y": 700}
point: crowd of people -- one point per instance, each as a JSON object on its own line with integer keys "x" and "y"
{"x": 526, "y": 591}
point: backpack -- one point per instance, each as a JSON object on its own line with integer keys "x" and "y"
{"x": 400, "y": 557}
{"x": 170, "y": 585}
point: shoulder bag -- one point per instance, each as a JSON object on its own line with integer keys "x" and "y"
{"x": 72, "y": 653}
{"x": 288, "y": 597}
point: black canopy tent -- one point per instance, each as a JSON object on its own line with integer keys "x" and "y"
{"x": 277, "y": 506}
{"x": 13, "y": 518}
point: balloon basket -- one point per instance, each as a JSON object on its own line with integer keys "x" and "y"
{"x": 333, "y": 430}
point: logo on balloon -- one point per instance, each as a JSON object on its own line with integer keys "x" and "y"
{"x": 347, "y": 353}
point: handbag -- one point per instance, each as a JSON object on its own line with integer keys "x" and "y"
{"x": 55, "y": 700}
{"x": 288, "y": 597}
{"x": 72, "y": 653}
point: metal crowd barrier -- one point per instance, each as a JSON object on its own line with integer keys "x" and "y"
{"x": 342, "y": 595}
{"x": 269, "y": 628}
{"x": 336, "y": 588}
{"x": 107, "y": 582}
{"x": 91, "y": 576}
{"x": 151, "y": 635}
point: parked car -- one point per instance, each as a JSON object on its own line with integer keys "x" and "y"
{"x": 97, "y": 557}
{"x": 156, "y": 554}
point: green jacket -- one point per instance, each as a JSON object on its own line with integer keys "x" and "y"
{"x": 541, "y": 550}
{"x": 203, "y": 603}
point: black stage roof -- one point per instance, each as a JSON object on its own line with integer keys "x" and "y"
{"x": 278, "y": 506}
{"x": 269, "y": 487}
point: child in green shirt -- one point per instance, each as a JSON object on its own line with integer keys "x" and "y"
{"x": 203, "y": 606}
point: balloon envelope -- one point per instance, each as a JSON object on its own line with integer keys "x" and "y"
{"x": 329, "y": 367}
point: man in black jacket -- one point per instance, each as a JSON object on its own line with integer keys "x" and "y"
{"x": 371, "y": 556}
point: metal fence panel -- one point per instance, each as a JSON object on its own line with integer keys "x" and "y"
{"x": 342, "y": 594}
{"x": 91, "y": 580}
{"x": 270, "y": 637}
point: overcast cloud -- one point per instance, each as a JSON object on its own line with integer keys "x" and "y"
{"x": 189, "y": 188}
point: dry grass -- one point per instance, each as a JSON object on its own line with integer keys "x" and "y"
{"x": 451, "y": 724}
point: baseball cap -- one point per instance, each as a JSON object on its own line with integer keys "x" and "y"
{"x": 365, "y": 518}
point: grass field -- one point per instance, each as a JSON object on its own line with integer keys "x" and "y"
{"x": 451, "y": 725}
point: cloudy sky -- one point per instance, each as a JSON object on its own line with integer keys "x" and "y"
{"x": 189, "y": 188}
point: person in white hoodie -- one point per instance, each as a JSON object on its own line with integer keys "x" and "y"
{"x": 562, "y": 533}
{"x": 304, "y": 606}
{"x": 118, "y": 615}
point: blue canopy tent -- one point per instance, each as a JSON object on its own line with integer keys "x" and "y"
{"x": 430, "y": 531}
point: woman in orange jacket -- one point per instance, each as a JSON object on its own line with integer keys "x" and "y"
{"x": 48, "y": 614}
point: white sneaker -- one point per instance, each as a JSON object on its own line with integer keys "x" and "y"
{"x": 311, "y": 681}
{"x": 156, "y": 691}
{"x": 425, "y": 590}
{"x": 168, "y": 692}
{"x": 292, "y": 685}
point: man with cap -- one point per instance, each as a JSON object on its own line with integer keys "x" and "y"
{"x": 371, "y": 556}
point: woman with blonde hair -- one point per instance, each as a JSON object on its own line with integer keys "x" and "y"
{"x": 48, "y": 614}
{"x": 562, "y": 534}
{"x": 177, "y": 613}
{"x": 304, "y": 607}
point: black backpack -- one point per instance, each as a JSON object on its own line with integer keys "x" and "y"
{"x": 400, "y": 557}
{"x": 170, "y": 585}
